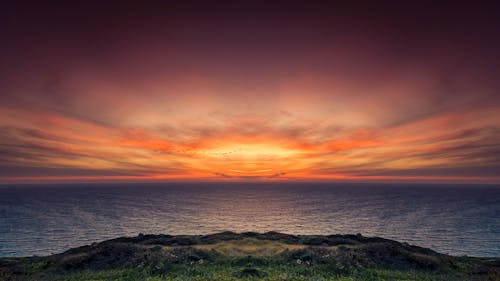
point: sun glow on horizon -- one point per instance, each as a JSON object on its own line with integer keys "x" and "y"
{"x": 322, "y": 93}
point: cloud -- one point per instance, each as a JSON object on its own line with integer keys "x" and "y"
{"x": 277, "y": 175}
{"x": 320, "y": 92}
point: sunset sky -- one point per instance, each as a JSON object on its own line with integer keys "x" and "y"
{"x": 250, "y": 90}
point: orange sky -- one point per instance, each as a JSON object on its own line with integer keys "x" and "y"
{"x": 210, "y": 96}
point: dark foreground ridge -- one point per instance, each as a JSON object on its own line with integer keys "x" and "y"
{"x": 250, "y": 256}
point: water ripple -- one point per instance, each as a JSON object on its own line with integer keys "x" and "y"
{"x": 43, "y": 219}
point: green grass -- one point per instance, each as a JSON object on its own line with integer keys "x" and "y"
{"x": 216, "y": 273}
{"x": 250, "y": 257}
{"x": 252, "y": 268}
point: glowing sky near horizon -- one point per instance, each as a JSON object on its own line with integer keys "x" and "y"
{"x": 255, "y": 91}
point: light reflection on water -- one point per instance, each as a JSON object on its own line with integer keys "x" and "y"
{"x": 44, "y": 219}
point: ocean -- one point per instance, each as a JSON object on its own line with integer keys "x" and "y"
{"x": 44, "y": 219}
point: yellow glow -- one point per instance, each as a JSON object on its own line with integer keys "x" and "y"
{"x": 251, "y": 151}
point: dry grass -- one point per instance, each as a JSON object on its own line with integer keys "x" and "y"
{"x": 249, "y": 246}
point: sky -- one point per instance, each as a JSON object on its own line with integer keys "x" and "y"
{"x": 250, "y": 90}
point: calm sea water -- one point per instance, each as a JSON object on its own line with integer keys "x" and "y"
{"x": 453, "y": 219}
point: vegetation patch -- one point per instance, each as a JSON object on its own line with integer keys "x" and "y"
{"x": 249, "y": 246}
{"x": 250, "y": 272}
{"x": 249, "y": 256}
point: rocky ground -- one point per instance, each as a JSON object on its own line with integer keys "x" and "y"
{"x": 250, "y": 256}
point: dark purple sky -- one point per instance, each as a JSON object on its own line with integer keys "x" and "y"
{"x": 260, "y": 90}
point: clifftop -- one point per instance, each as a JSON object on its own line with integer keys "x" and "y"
{"x": 254, "y": 256}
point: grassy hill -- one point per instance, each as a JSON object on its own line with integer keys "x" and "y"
{"x": 249, "y": 256}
